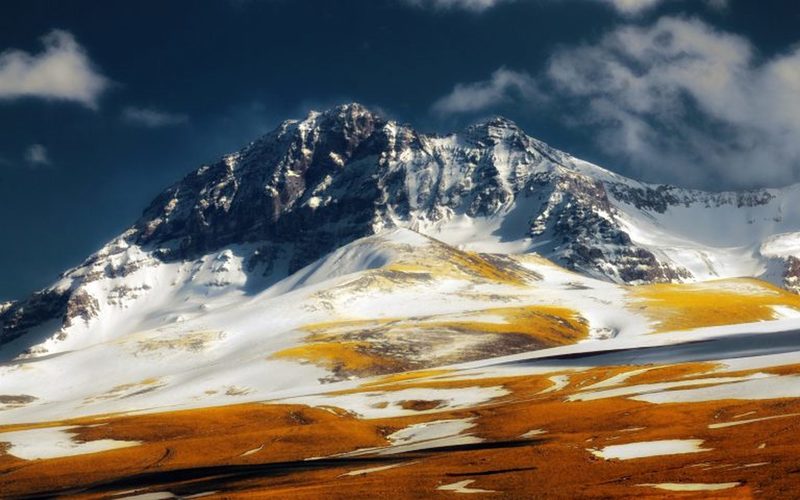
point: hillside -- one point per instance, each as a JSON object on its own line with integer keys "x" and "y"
{"x": 349, "y": 302}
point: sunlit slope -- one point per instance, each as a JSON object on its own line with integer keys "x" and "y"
{"x": 714, "y": 303}
{"x": 594, "y": 424}
{"x": 399, "y": 365}
{"x": 385, "y": 304}
{"x": 433, "y": 305}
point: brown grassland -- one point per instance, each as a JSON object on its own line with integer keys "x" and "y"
{"x": 276, "y": 450}
{"x": 200, "y": 451}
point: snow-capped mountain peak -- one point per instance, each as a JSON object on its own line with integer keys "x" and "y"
{"x": 242, "y": 223}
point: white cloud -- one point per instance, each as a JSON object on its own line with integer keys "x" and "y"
{"x": 632, "y": 7}
{"x": 150, "y": 117}
{"x": 628, "y": 8}
{"x": 502, "y": 86}
{"x": 62, "y": 71}
{"x": 625, "y": 7}
{"x": 36, "y": 156}
{"x": 470, "y": 5}
{"x": 718, "y": 4}
{"x": 684, "y": 100}
{"x": 678, "y": 100}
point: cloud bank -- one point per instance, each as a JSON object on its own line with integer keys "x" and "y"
{"x": 629, "y": 8}
{"x": 61, "y": 71}
{"x": 680, "y": 95}
{"x": 632, "y": 7}
{"x": 677, "y": 99}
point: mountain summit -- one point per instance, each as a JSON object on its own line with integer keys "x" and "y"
{"x": 314, "y": 185}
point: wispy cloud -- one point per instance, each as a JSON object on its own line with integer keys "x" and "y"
{"x": 152, "y": 118}
{"x": 470, "y": 5}
{"x": 36, "y": 156}
{"x": 632, "y": 7}
{"x": 61, "y": 71}
{"x": 718, "y": 4}
{"x": 503, "y": 85}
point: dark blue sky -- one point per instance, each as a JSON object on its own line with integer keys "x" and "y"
{"x": 179, "y": 83}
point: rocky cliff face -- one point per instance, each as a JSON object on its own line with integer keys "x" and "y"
{"x": 791, "y": 274}
{"x": 327, "y": 180}
{"x": 340, "y": 175}
{"x": 313, "y": 185}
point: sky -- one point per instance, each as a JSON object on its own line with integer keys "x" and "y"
{"x": 104, "y": 104}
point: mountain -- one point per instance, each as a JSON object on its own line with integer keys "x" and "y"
{"x": 237, "y": 226}
{"x": 348, "y": 308}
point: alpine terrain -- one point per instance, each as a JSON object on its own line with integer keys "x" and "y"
{"x": 348, "y": 307}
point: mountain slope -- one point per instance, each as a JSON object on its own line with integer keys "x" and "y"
{"x": 235, "y": 227}
{"x": 398, "y": 365}
{"x": 387, "y": 303}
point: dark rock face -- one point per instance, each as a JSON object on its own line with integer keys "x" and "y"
{"x": 80, "y": 305}
{"x": 580, "y": 219}
{"x": 791, "y": 278}
{"x": 659, "y": 198}
{"x": 342, "y": 174}
{"x": 271, "y": 191}
{"x": 39, "y": 308}
{"x": 326, "y": 181}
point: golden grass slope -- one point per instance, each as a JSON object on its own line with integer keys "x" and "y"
{"x": 715, "y": 303}
{"x": 372, "y": 347}
{"x": 353, "y": 346}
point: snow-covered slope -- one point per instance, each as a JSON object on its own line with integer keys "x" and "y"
{"x": 233, "y": 230}
{"x": 393, "y": 301}
{"x": 387, "y": 303}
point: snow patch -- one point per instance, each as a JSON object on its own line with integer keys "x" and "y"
{"x": 722, "y": 425}
{"x": 370, "y": 470}
{"x": 461, "y": 487}
{"x": 644, "y": 390}
{"x": 559, "y": 382}
{"x": 692, "y": 486}
{"x": 645, "y": 449}
{"x": 533, "y": 432}
{"x": 54, "y": 442}
{"x": 776, "y": 387}
{"x": 381, "y": 404}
